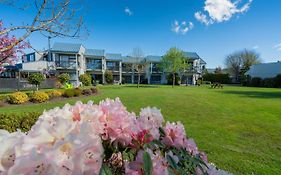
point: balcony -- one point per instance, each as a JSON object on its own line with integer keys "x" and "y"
{"x": 112, "y": 66}
{"x": 66, "y": 64}
{"x": 94, "y": 64}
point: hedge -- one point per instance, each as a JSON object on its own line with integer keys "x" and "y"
{"x": 23, "y": 121}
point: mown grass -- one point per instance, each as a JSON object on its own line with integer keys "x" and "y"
{"x": 239, "y": 128}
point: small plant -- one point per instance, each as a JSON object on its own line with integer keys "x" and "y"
{"x": 108, "y": 77}
{"x": 18, "y": 98}
{"x": 54, "y": 93}
{"x": 68, "y": 93}
{"x": 94, "y": 90}
{"x": 87, "y": 92}
{"x": 68, "y": 86}
{"x": 39, "y": 97}
{"x": 36, "y": 79}
{"x": 85, "y": 79}
{"x": 64, "y": 78}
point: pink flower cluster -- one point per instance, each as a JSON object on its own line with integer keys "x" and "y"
{"x": 8, "y": 49}
{"x": 69, "y": 140}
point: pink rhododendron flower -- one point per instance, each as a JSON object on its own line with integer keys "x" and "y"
{"x": 117, "y": 121}
{"x": 8, "y": 142}
{"x": 150, "y": 119}
{"x": 175, "y": 135}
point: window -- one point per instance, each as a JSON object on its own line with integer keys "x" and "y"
{"x": 31, "y": 58}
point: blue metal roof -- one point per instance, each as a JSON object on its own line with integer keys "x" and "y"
{"x": 153, "y": 58}
{"x": 94, "y": 52}
{"x": 191, "y": 55}
{"x": 66, "y": 47}
{"x": 113, "y": 56}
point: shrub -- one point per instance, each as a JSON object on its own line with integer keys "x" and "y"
{"x": 87, "y": 92}
{"x": 3, "y": 97}
{"x": 72, "y": 92}
{"x": 39, "y": 97}
{"x": 268, "y": 82}
{"x": 36, "y": 79}
{"x": 170, "y": 79}
{"x": 12, "y": 122}
{"x": 77, "y": 92}
{"x": 18, "y": 98}
{"x": 85, "y": 79}
{"x": 256, "y": 82}
{"x": 108, "y": 77}
{"x": 94, "y": 90}
{"x": 68, "y": 86}
{"x": 2, "y": 104}
{"x": 54, "y": 93}
{"x": 219, "y": 78}
{"x": 277, "y": 81}
{"x": 68, "y": 93}
{"x": 63, "y": 78}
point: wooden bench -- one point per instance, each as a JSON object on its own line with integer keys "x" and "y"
{"x": 217, "y": 85}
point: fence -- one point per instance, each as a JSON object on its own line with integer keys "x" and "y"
{"x": 10, "y": 84}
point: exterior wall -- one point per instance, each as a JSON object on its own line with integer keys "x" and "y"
{"x": 37, "y": 66}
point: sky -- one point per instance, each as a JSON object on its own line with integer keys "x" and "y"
{"x": 212, "y": 28}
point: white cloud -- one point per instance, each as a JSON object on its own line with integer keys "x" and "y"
{"x": 256, "y": 47}
{"x": 277, "y": 47}
{"x": 128, "y": 11}
{"x": 182, "y": 28}
{"x": 216, "y": 11}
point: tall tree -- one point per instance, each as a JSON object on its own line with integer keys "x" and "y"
{"x": 173, "y": 62}
{"x": 238, "y": 63}
{"x": 139, "y": 63}
{"x": 53, "y": 17}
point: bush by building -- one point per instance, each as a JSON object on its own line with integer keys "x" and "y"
{"x": 63, "y": 78}
{"x": 17, "y": 98}
{"x": 85, "y": 79}
{"x": 267, "y": 82}
{"x": 170, "y": 79}
{"x": 216, "y": 78}
{"x": 108, "y": 77}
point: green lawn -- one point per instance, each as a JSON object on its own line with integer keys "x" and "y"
{"x": 239, "y": 128}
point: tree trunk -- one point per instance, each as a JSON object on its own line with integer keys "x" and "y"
{"x": 174, "y": 79}
{"x": 138, "y": 80}
{"x": 37, "y": 88}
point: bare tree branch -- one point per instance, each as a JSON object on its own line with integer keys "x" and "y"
{"x": 53, "y": 17}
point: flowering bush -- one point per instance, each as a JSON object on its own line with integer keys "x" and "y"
{"x": 18, "y": 98}
{"x": 102, "y": 139}
{"x": 39, "y": 97}
{"x": 54, "y": 93}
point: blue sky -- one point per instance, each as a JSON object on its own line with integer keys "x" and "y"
{"x": 219, "y": 27}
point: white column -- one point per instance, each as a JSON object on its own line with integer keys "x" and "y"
{"x": 120, "y": 72}
{"x": 77, "y": 71}
{"x": 103, "y": 69}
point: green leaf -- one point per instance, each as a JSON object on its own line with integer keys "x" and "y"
{"x": 172, "y": 162}
{"x": 162, "y": 132}
{"x": 105, "y": 170}
{"x": 147, "y": 164}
